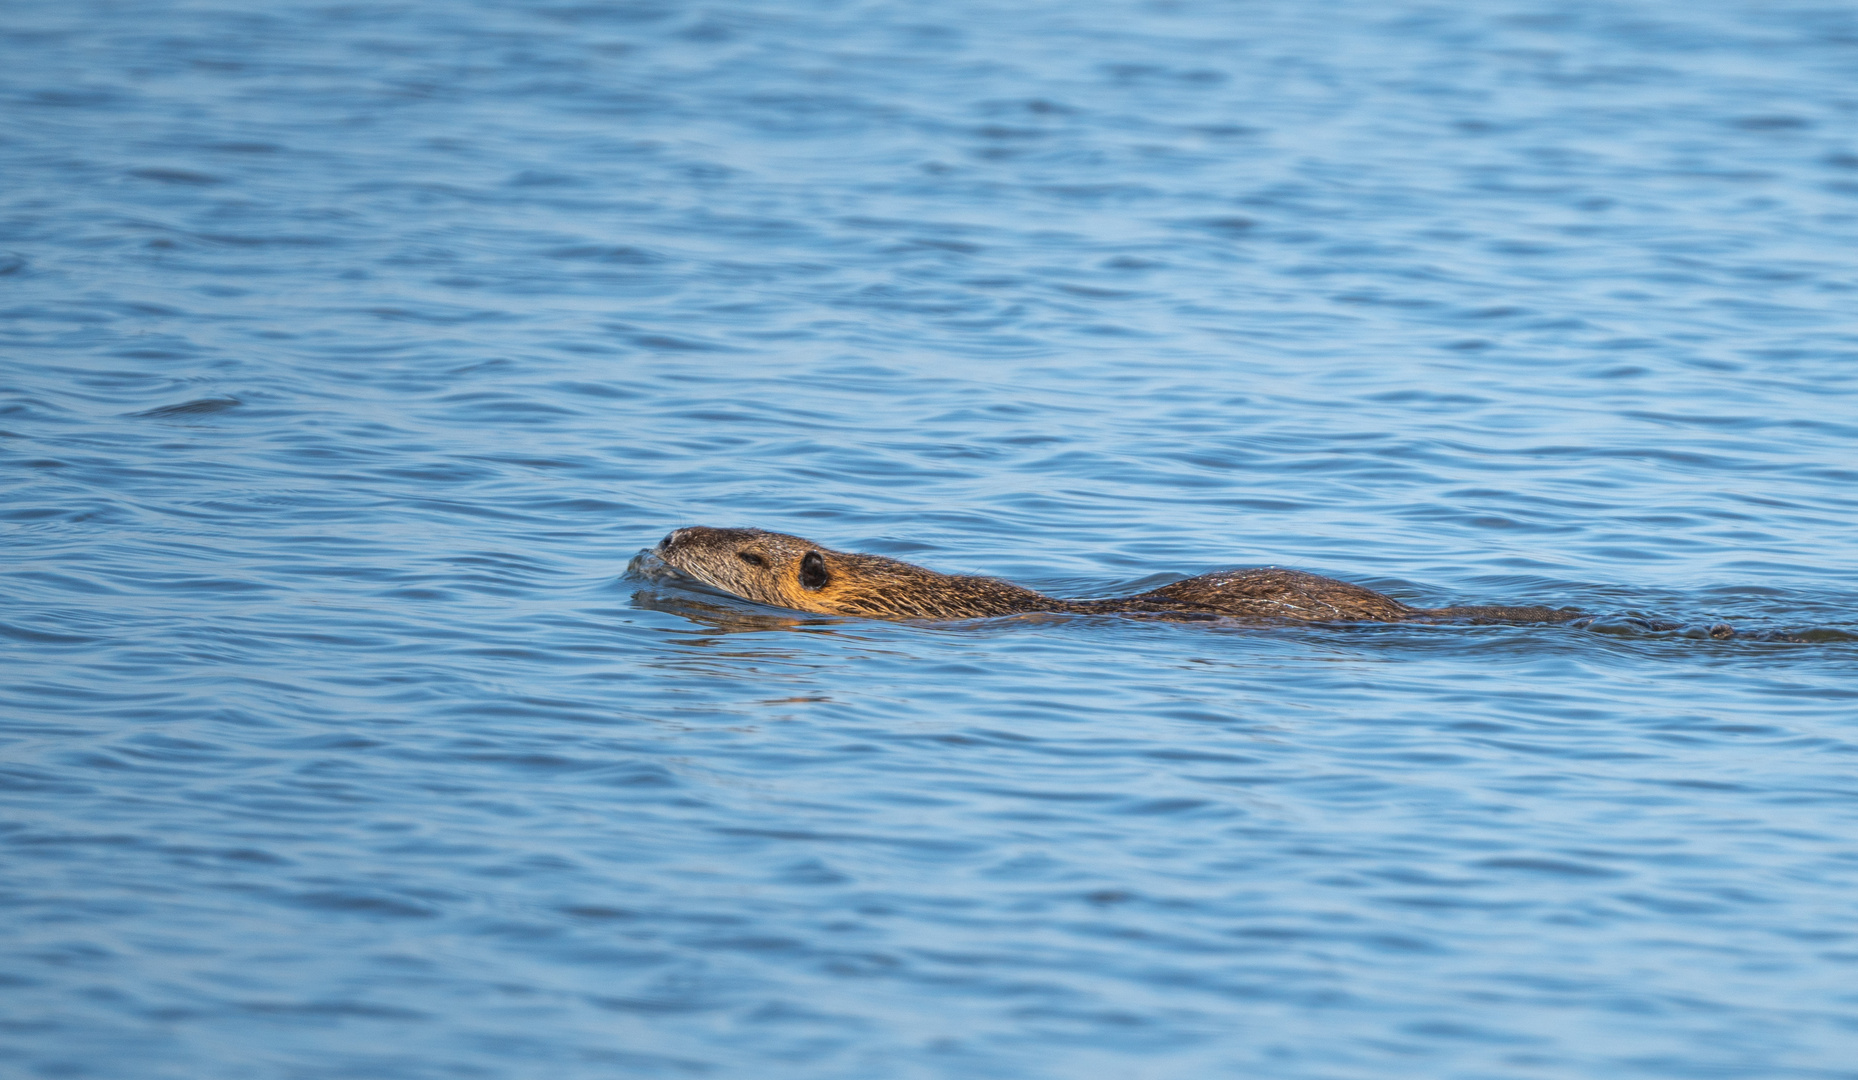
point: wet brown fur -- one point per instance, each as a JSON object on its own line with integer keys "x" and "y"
{"x": 791, "y": 572}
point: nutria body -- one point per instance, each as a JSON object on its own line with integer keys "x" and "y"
{"x": 790, "y": 572}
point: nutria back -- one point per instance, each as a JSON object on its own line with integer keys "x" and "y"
{"x": 793, "y": 572}
{"x": 1264, "y": 593}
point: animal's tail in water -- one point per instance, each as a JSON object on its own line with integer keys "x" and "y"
{"x": 1499, "y": 613}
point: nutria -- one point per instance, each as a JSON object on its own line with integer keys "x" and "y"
{"x": 787, "y": 571}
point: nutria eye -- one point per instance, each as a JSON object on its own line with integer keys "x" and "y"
{"x": 751, "y": 558}
{"x": 813, "y": 575}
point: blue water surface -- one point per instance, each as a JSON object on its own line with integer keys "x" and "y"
{"x": 349, "y": 352}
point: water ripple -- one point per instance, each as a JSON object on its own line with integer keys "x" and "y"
{"x": 351, "y": 353}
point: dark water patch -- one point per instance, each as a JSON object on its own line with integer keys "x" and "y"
{"x": 198, "y": 407}
{"x": 364, "y": 904}
{"x": 176, "y": 176}
{"x": 1561, "y": 868}
{"x": 620, "y": 254}
{"x": 331, "y": 1009}
{"x": 42, "y": 637}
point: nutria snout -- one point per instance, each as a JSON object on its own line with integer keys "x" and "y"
{"x": 793, "y": 572}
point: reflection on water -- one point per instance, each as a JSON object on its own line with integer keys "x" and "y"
{"x": 723, "y": 617}
{"x": 350, "y": 351}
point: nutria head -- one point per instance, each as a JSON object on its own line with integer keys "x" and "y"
{"x": 767, "y": 567}
{"x": 792, "y": 572}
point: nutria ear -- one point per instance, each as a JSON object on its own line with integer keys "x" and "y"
{"x": 813, "y": 575}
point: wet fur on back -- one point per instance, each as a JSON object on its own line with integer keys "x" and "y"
{"x": 792, "y": 572}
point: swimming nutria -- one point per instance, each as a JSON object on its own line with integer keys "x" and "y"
{"x": 790, "y": 572}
